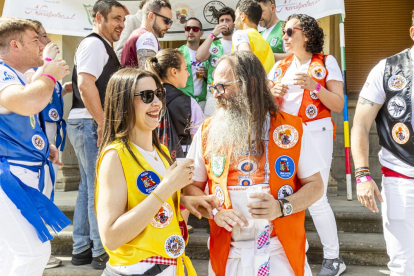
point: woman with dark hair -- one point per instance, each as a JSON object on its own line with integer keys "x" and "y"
{"x": 137, "y": 184}
{"x": 309, "y": 84}
{"x": 185, "y": 113}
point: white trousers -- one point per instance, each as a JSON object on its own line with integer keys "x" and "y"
{"x": 279, "y": 263}
{"x": 21, "y": 251}
{"x": 321, "y": 212}
{"x": 398, "y": 223}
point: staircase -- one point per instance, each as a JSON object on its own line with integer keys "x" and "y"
{"x": 362, "y": 245}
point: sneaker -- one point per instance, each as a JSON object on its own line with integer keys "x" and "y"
{"x": 100, "y": 261}
{"x": 53, "y": 262}
{"x": 332, "y": 267}
{"x": 190, "y": 229}
{"x": 82, "y": 258}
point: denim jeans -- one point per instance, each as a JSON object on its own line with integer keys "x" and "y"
{"x": 82, "y": 135}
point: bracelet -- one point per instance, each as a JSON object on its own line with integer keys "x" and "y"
{"x": 214, "y": 211}
{"x": 49, "y": 76}
{"x": 363, "y": 179}
{"x": 157, "y": 197}
{"x": 361, "y": 168}
{"x": 47, "y": 59}
{"x": 318, "y": 87}
{"x": 182, "y": 207}
{"x": 212, "y": 35}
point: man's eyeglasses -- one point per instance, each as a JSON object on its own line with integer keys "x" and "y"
{"x": 220, "y": 87}
{"x": 289, "y": 31}
{"x": 195, "y": 28}
{"x": 147, "y": 96}
{"x": 167, "y": 20}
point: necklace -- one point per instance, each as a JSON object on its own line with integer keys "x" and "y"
{"x": 153, "y": 154}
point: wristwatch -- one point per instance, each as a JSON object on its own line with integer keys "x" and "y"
{"x": 285, "y": 207}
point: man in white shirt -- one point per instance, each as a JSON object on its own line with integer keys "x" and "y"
{"x": 211, "y": 50}
{"x": 197, "y": 80}
{"x": 95, "y": 62}
{"x": 143, "y": 42}
{"x": 279, "y": 158}
{"x": 387, "y": 97}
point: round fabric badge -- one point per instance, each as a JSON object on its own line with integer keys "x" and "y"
{"x": 147, "y": 181}
{"x": 284, "y": 191}
{"x": 285, "y": 136}
{"x": 273, "y": 42}
{"x": 278, "y": 73}
{"x": 32, "y": 121}
{"x": 400, "y": 133}
{"x": 246, "y": 181}
{"x": 53, "y": 114}
{"x": 164, "y": 216}
{"x": 214, "y": 61}
{"x": 285, "y": 167}
{"x": 396, "y": 107}
{"x": 313, "y": 95}
{"x": 397, "y": 82}
{"x": 174, "y": 246}
{"x": 311, "y": 111}
{"x": 248, "y": 166}
{"x": 214, "y": 50}
{"x": 218, "y": 191}
{"x": 318, "y": 72}
{"x": 38, "y": 142}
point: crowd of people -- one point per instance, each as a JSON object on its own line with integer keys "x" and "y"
{"x": 236, "y": 129}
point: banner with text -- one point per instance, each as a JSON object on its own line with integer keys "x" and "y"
{"x": 73, "y": 17}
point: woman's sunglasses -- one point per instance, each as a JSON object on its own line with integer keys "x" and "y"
{"x": 195, "y": 28}
{"x": 147, "y": 96}
{"x": 289, "y": 31}
{"x": 167, "y": 20}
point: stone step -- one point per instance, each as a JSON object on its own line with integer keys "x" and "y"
{"x": 355, "y": 248}
{"x": 201, "y": 266}
{"x": 351, "y": 216}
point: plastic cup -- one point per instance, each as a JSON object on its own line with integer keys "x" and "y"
{"x": 181, "y": 160}
{"x": 253, "y": 190}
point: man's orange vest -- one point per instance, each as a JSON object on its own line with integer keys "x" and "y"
{"x": 284, "y": 146}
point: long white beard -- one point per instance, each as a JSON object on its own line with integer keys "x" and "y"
{"x": 228, "y": 129}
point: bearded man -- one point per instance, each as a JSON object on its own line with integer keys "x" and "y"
{"x": 241, "y": 146}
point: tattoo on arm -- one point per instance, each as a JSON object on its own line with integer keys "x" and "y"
{"x": 142, "y": 55}
{"x": 363, "y": 101}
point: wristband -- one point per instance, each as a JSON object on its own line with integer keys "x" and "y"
{"x": 318, "y": 87}
{"x": 362, "y": 168}
{"x": 212, "y": 36}
{"x": 363, "y": 179}
{"x": 182, "y": 207}
{"x": 214, "y": 211}
{"x": 47, "y": 59}
{"x": 49, "y": 76}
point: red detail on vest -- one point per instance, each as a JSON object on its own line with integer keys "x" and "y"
{"x": 390, "y": 173}
{"x": 129, "y": 52}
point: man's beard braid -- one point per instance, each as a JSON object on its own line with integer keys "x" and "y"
{"x": 228, "y": 128}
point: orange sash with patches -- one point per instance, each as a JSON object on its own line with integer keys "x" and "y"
{"x": 284, "y": 152}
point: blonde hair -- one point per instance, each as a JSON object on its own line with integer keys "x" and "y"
{"x": 12, "y": 29}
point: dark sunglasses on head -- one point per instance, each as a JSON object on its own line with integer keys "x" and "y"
{"x": 195, "y": 28}
{"x": 289, "y": 31}
{"x": 167, "y": 20}
{"x": 147, "y": 96}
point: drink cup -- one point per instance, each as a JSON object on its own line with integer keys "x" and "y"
{"x": 181, "y": 160}
{"x": 199, "y": 75}
{"x": 253, "y": 190}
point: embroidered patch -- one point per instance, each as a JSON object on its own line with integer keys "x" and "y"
{"x": 53, "y": 114}
{"x": 248, "y": 167}
{"x": 284, "y": 191}
{"x": 318, "y": 72}
{"x": 273, "y": 42}
{"x": 278, "y": 73}
{"x": 174, "y": 246}
{"x": 214, "y": 61}
{"x": 285, "y": 167}
{"x": 164, "y": 216}
{"x": 396, "y": 107}
{"x": 400, "y": 133}
{"x": 397, "y": 83}
{"x": 313, "y": 95}
{"x": 246, "y": 181}
{"x": 311, "y": 111}
{"x": 38, "y": 142}
{"x": 285, "y": 136}
{"x": 217, "y": 164}
{"x": 214, "y": 50}
{"x": 218, "y": 191}
{"x": 147, "y": 181}
{"x": 32, "y": 121}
